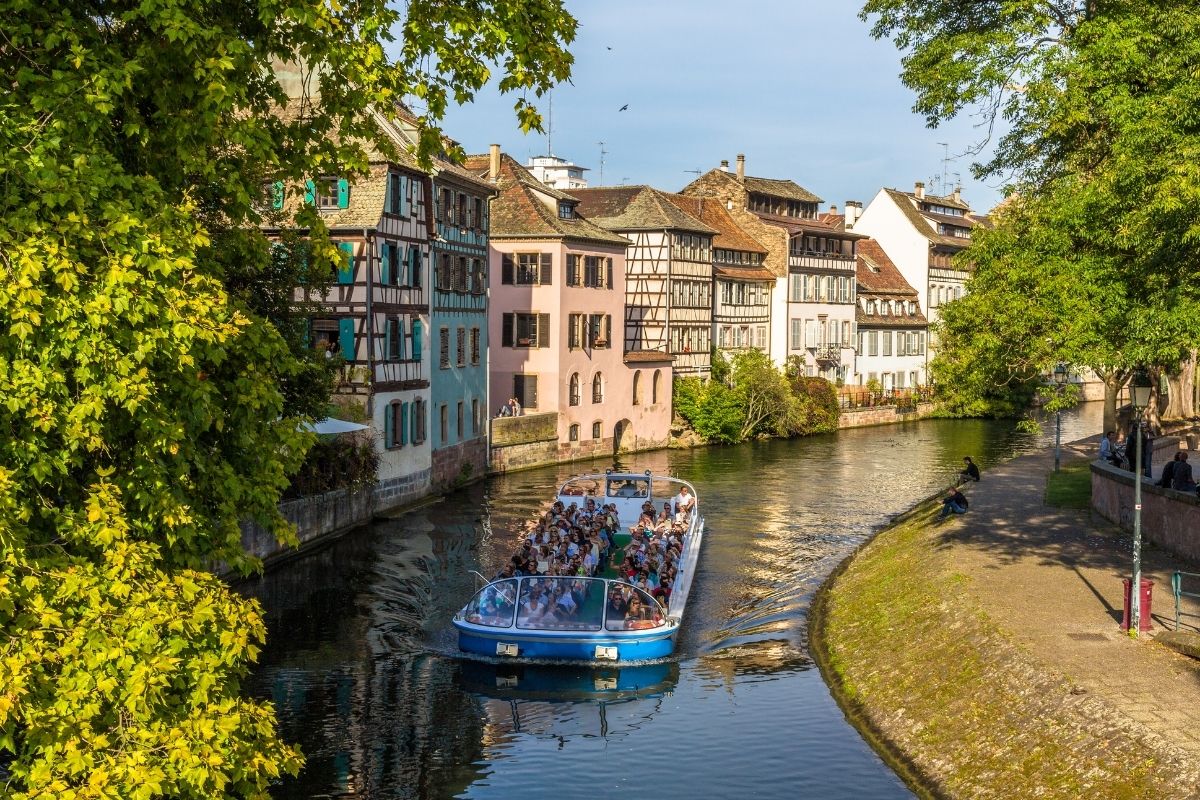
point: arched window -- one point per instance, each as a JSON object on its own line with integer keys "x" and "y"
{"x": 598, "y": 388}
{"x": 596, "y": 429}
{"x": 573, "y": 399}
{"x": 573, "y": 433}
{"x": 637, "y": 387}
{"x": 654, "y": 387}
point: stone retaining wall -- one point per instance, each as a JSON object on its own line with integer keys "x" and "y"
{"x": 882, "y": 415}
{"x": 315, "y": 518}
{"x": 1170, "y": 519}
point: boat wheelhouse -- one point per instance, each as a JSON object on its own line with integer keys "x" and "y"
{"x": 601, "y": 617}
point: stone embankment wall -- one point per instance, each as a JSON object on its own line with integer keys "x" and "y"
{"x": 315, "y": 518}
{"x": 1170, "y": 519}
{"x": 532, "y": 441}
{"x": 883, "y": 415}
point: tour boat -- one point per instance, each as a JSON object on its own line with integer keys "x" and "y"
{"x": 496, "y": 621}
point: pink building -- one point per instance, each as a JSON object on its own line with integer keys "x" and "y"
{"x": 557, "y": 284}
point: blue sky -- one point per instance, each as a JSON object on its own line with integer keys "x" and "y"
{"x": 800, "y": 87}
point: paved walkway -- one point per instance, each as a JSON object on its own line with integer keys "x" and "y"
{"x": 1051, "y": 578}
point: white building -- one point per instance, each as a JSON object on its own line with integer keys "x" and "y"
{"x": 891, "y": 327}
{"x": 921, "y": 233}
{"x": 557, "y": 173}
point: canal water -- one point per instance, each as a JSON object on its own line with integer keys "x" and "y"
{"x": 362, "y": 665}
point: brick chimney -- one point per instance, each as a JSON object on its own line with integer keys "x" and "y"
{"x": 494, "y": 163}
{"x": 957, "y": 194}
{"x": 919, "y": 190}
{"x": 741, "y": 166}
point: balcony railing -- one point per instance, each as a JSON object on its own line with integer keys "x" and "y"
{"x": 900, "y": 398}
{"x": 828, "y": 354}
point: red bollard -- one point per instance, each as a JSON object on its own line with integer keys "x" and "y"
{"x": 1144, "y": 608}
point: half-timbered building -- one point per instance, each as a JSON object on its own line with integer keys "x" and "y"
{"x": 811, "y": 257}
{"x": 742, "y": 286}
{"x": 374, "y": 317}
{"x": 891, "y": 324}
{"x": 558, "y": 286}
{"x": 668, "y": 273}
{"x": 922, "y": 233}
{"x": 459, "y": 324}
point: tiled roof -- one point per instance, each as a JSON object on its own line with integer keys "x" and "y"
{"x": 780, "y": 187}
{"x": 712, "y": 213}
{"x": 878, "y": 274}
{"x": 636, "y": 208}
{"x": 737, "y": 273}
{"x": 528, "y": 209}
{"x": 907, "y": 204}
{"x": 822, "y": 225}
{"x": 647, "y": 357}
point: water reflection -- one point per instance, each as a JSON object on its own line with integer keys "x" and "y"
{"x": 363, "y": 666}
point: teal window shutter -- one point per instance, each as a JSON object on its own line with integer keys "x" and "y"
{"x": 310, "y": 193}
{"x": 416, "y": 411}
{"x": 346, "y": 268}
{"x": 403, "y": 424}
{"x": 277, "y": 195}
{"x": 416, "y": 340}
{"x": 307, "y": 336}
{"x": 346, "y": 337}
{"x": 343, "y": 193}
{"x": 402, "y": 201}
{"x": 385, "y": 263}
{"x": 387, "y": 341}
{"x": 389, "y": 197}
{"x": 389, "y": 433}
{"x": 400, "y": 339}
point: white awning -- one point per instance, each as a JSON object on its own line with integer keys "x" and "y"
{"x": 330, "y": 426}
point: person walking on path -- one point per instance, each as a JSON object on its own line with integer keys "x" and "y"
{"x": 971, "y": 472}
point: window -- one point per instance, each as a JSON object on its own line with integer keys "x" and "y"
{"x": 598, "y": 388}
{"x": 474, "y": 345}
{"x": 873, "y": 343}
{"x": 573, "y": 392}
{"x": 573, "y": 433}
{"x": 525, "y": 390}
{"x": 599, "y": 327}
{"x": 393, "y": 339}
{"x": 797, "y": 287}
{"x": 461, "y": 215}
{"x": 654, "y": 387}
{"x": 444, "y": 422}
{"x": 862, "y": 339}
{"x": 846, "y": 333}
{"x": 393, "y": 428}
{"x": 478, "y": 277}
{"x": 418, "y": 421}
{"x": 459, "y": 279}
{"x": 565, "y": 210}
{"x": 887, "y": 342}
{"x": 527, "y": 269}
{"x": 901, "y": 343}
{"x": 525, "y": 330}
{"x": 443, "y": 278}
{"x": 596, "y": 430}
{"x": 761, "y": 337}
{"x": 475, "y": 416}
{"x": 461, "y": 350}
{"x": 395, "y": 185}
{"x": 444, "y": 348}
{"x": 637, "y": 387}
{"x": 461, "y": 406}
{"x": 575, "y": 330}
{"x": 478, "y": 218}
{"x": 870, "y": 308}
{"x": 328, "y": 192}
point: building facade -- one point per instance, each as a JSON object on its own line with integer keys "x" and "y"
{"x": 375, "y": 314}
{"x": 892, "y": 328}
{"x": 557, "y": 173}
{"x": 668, "y": 273}
{"x": 459, "y": 326}
{"x": 922, "y": 233}
{"x": 557, "y": 297}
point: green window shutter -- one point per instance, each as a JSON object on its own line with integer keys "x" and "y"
{"x": 277, "y": 195}
{"x": 346, "y": 267}
{"x": 385, "y": 262}
{"x": 403, "y": 424}
{"x": 402, "y": 200}
{"x": 416, "y": 340}
{"x": 343, "y": 193}
{"x": 387, "y": 341}
{"x": 389, "y": 194}
{"x": 389, "y": 432}
{"x": 346, "y": 337}
{"x": 310, "y": 193}
{"x": 400, "y": 339}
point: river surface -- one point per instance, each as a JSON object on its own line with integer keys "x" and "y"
{"x": 362, "y": 664}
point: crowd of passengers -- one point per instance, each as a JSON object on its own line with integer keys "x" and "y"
{"x": 574, "y": 541}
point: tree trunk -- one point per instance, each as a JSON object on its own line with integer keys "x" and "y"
{"x": 1181, "y": 397}
{"x": 1113, "y": 381}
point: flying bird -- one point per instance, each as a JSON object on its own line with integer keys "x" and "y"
{"x": 623, "y": 108}
{"x": 610, "y": 48}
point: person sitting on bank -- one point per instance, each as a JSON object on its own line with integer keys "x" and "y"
{"x": 1181, "y": 476}
{"x": 955, "y": 503}
{"x": 971, "y": 472}
{"x": 1167, "y": 478}
{"x": 1108, "y": 449}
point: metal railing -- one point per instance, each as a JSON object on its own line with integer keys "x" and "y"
{"x": 1177, "y": 590}
{"x": 900, "y": 398}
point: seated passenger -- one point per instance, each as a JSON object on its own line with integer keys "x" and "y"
{"x": 684, "y": 500}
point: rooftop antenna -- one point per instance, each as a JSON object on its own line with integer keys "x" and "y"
{"x": 695, "y": 172}
{"x": 549, "y": 123}
{"x": 945, "y": 164}
{"x": 603, "y": 153}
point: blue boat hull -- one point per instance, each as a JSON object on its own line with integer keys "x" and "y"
{"x": 655, "y": 644}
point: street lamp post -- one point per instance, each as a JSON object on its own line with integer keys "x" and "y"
{"x": 1060, "y": 377}
{"x": 1140, "y": 400}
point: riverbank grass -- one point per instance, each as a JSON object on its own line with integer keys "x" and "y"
{"x": 950, "y": 701}
{"x": 1070, "y": 487}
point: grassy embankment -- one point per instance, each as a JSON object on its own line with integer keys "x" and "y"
{"x": 945, "y": 696}
{"x": 1071, "y": 486}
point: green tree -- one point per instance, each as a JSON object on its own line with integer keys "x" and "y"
{"x": 1102, "y": 163}
{"x": 768, "y": 406}
{"x": 151, "y": 376}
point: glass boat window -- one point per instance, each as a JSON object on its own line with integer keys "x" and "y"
{"x": 561, "y": 604}
{"x": 620, "y": 487}
{"x": 493, "y": 605}
{"x": 631, "y": 609}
